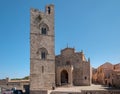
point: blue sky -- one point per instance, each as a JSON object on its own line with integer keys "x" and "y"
{"x": 89, "y": 25}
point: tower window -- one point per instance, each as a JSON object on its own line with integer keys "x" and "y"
{"x": 42, "y": 69}
{"x": 49, "y": 10}
{"x": 44, "y": 31}
{"x": 43, "y": 55}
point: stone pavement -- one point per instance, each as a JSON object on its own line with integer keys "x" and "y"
{"x": 79, "y": 88}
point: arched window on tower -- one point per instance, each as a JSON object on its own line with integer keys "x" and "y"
{"x": 43, "y": 53}
{"x": 44, "y": 29}
{"x": 49, "y": 10}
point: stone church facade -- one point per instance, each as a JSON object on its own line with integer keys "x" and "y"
{"x": 72, "y": 68}
{"x": 47, "y": 70}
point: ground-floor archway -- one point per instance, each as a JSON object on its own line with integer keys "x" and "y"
{"x": 64, "y": 77}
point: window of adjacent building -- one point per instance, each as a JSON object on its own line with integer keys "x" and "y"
{"x": 114, "y": 67}
{"x": 85, "y": 78}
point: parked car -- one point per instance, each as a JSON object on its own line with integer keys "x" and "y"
{"x": 18, "y": 92}
{"x": 7, "y": 91}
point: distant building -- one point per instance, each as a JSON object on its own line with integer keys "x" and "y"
{"x": 18, "y": 84}
{"x": 94, "y": 75}
{"x": 117, "y": 67}
{"x": 115, "y": 76}
{"x": 103, "y": 73}
{"x": 107, "y": 74}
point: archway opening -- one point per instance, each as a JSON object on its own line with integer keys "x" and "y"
{"x": 64, "y": 77}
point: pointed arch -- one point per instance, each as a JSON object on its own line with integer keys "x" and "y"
{"x": 43, "y": 53}
{"x": 64, "y": 77}
{"x": 44, "y": 28}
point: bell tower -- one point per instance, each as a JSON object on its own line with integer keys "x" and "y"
{"x": 42, "y": 55}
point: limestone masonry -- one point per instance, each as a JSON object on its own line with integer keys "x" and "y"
{"x": 42, "y": 55}
{"x": 72, "y": 68}
{"x": 47, "y": 70}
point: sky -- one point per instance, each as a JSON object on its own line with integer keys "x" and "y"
{"x": 89, "y": 25}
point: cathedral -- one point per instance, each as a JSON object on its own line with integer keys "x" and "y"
{"x": 48, "y": 71}
{"x": 72, "y": 68}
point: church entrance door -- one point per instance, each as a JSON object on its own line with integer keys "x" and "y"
{"x": 64, "y": 77}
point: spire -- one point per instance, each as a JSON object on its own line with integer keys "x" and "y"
{"x": 67, "y": 45}
{"x": 89, "y": 59}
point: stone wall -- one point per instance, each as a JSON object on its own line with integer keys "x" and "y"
{"x": 3, "y": 82}
{"x": 60, "y": 92}
{"x": 9, "y": 84}
{"x": 89, "y": 92}
{"x": 81, "y": 71}
{"x": 39, "y": 92}
{"x": 42, "y": 55}
{"x": 100, "y": 92}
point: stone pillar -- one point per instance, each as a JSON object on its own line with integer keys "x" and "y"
{"x": 70, "y": 79}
